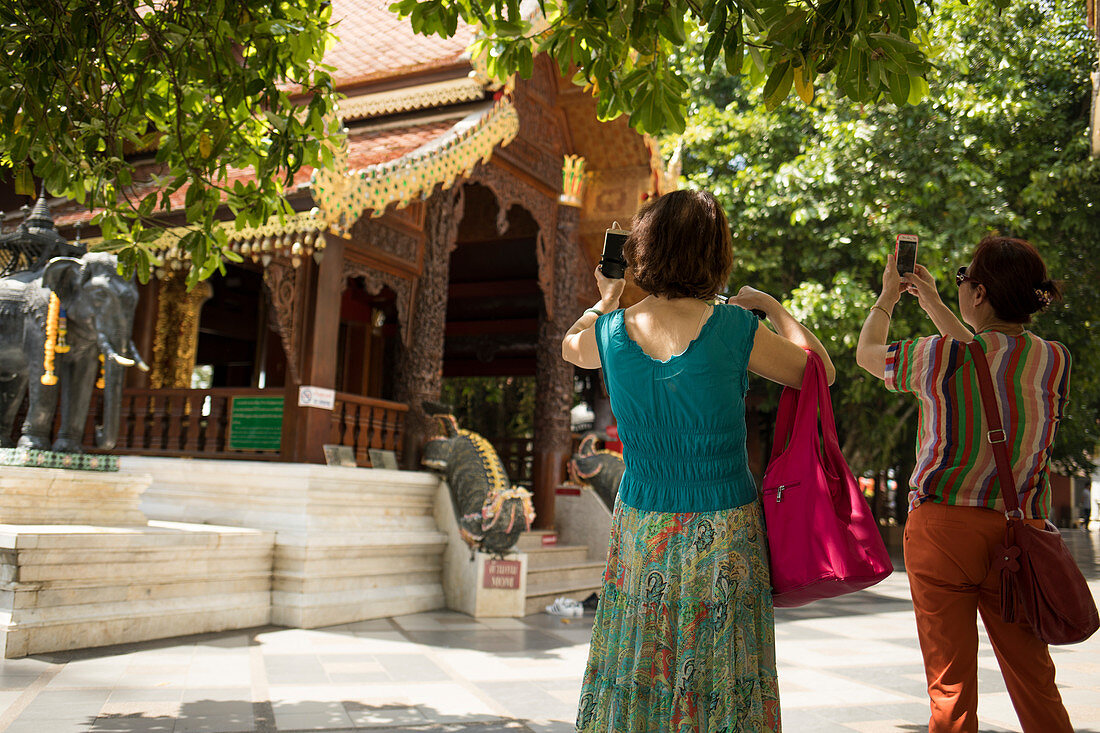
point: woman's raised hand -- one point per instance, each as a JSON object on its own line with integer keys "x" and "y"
{"x": 610, "y": 291}
{"x": 753, "y": 299}
{"x": 891, "y": 284}
{"x": 921, "y": 284}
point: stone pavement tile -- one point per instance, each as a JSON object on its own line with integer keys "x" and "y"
{"x": 822, "y": 688}
{"x": 209, "y": 715}
{"x": 12, "y": 681}
{"x": 809, "y": 721}
{"x": 141, "y": 708}
{"x": 55, "y": 726}
{"x": 907, "y": 680}
{"x": 412, "y": 668}
{"x": 503, "y": 623}
{"x": 219, "y": 694}
{"x": 520, "y": 641}
{"x": 370, "y": 642}
{"x": 294, "y": 669}
{"x": 334, "y": 720}
{"x": 436, "y": 621}
{"x": 215, "y": 725}
{"x": 843, "y": 653}
{"x": 895, "y": 625}
{"x": 526, "y": 700}
{"x": 551, "y": 726}
{"x": 133, "y": 724}
{"x": 145, "y": 694}
{"x": 381, "y": 716}
{"x": 92, "y": 673}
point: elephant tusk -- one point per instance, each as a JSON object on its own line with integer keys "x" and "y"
{"x": 143, "y": 366}
{"x": 122, "y": 360}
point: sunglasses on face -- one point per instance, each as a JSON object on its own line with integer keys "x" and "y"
{"x": 961, "y": 277}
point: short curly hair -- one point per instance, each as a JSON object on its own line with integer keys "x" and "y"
{"x": 679, "y": 246}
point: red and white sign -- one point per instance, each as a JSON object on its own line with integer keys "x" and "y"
{"x": 501, "y": 574}
{"x": 549, "y": 539}
{"x": 320, "y": 397}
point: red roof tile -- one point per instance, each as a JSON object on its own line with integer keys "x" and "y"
{"x": 375, "y": 44}
{"x": 365, "y": 148}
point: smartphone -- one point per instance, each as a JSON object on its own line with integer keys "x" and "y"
{"x": 905, "y": 253}
{"x": 612, "y": 264}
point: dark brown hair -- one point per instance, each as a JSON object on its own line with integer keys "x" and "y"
{"x": 679, "y": 246}
{"x": 1015, "y": 277}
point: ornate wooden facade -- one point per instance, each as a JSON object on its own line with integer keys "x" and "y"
{"x": 375, "y": 238}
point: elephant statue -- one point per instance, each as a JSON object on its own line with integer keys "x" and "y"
{"x": 491, "y": 512}
{"x": 601, "y": 469}
{"x": 99, "y": 314}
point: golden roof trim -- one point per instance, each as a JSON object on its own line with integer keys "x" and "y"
{"x": 342, "y": 195}
{"x": 408, "y": 99}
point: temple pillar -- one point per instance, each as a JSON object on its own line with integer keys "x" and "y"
{"x": 306, "y": 429}
{"x": 420, "y": 370}
{"x": 554, "y": 375}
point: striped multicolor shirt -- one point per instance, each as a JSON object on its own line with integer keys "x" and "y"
{"x": 955, "y": 463}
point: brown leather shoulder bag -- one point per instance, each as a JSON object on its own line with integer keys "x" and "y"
{"x": 1041, "y": 584}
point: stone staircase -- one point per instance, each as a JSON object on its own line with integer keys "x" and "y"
{"x": 555, "y": 570}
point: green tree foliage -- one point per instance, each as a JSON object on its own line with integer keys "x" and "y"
{"x": 205, "y": 86}
{"x": 816, "y": 195}
{"x": 622, "y": 49}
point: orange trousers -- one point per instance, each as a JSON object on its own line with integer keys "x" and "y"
{"x": 948, "y": 556}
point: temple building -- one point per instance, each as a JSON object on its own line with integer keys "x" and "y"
{"x": 454, "y": 235}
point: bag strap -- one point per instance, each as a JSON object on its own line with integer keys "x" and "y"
{"x": 996, "y": 435}
{"x": 799, "y": 408}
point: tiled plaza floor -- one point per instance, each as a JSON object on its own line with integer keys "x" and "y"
{"x": 845, "y": 665}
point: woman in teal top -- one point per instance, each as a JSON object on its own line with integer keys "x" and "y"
{"x": 684, "y": 639}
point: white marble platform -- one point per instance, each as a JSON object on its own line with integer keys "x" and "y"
{"x": 62, "y": 496}
{"x": 77, "y": 586}
{"x": 351, "y": 544}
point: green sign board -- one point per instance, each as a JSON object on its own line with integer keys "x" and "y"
{"x": 256, "y": 423}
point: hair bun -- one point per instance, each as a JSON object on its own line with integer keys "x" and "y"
{"x": 1044, "y": 293}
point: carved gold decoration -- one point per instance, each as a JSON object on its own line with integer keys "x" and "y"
{"x": 281, "y": 283}
{"x": 176, "y": 338}
{"x": 293, "y": 237}
{"x": 343, "y": 196}
{"x": 572, "y": 180}
{"x": 407, "y": 99}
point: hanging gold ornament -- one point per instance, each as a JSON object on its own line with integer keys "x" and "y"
{"x": 102, "y": 381}
{"x": 62, "y": 346}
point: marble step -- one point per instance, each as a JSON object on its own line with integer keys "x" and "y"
{"x": 583, "y": 574}
{"x": 309, "y": 583}
{"x": 536, "y": 539}
{"x": 313, "y": 610}
{"x": 31, "y": 595}
{"x": 547, "y": 557}
{"x": 538, "y": 602}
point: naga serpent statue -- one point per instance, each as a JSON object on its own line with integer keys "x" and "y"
{"x": 600, "y": 469}
{"x": 491, "y": 512}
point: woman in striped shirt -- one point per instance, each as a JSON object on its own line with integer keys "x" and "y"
{"x": 956, "y": 515}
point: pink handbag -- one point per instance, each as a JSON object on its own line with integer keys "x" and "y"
{"x": 822, "y": 539}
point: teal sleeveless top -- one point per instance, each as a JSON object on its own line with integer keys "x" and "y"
{"x": 682, "y": 421}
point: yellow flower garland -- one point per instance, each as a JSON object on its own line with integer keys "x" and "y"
{"x": 52, "y": 316}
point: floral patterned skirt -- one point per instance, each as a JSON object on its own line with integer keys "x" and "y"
{"x": 684, "y": 638}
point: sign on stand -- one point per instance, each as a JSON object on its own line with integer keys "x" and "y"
{"x": 502, "y": 574}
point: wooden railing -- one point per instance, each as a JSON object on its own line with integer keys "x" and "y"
{"x": 177, "y": 422}
{"x": 518, "y": 457}
{"x": 365, "y": 423}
